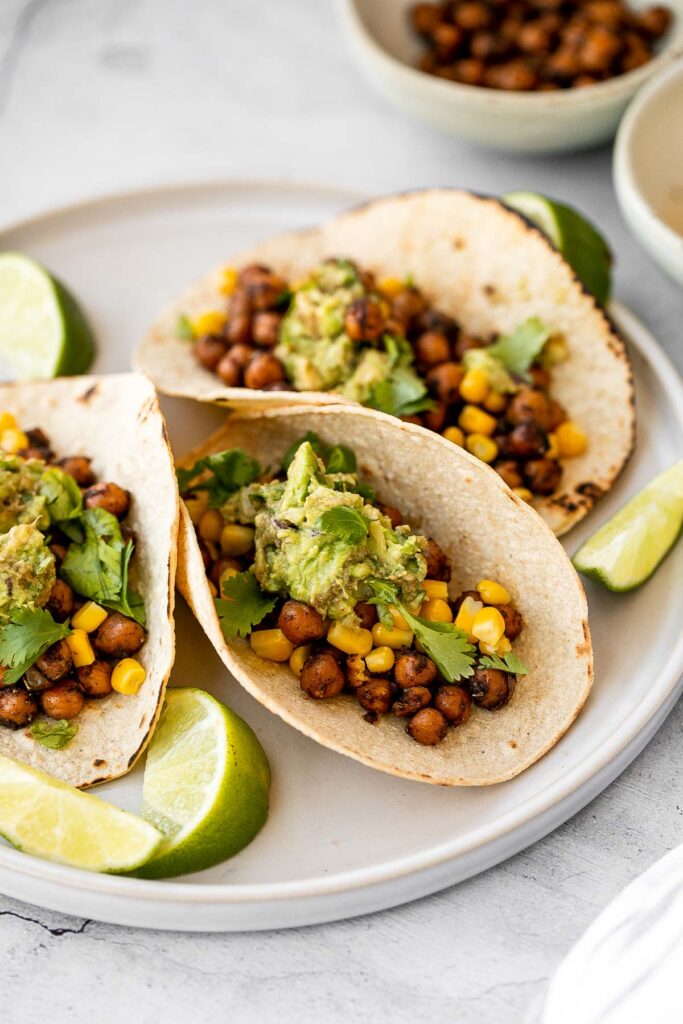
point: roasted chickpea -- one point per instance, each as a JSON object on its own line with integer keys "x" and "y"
{"x": 108, "y": 496}
{"x": 454, "y": 703}
{"x": 433, "y": 320}
{"x": 300, "y": 622}
{"x": 534, "y": 38}
{"x": 78, "y": 467}
{"x": 654, "y": 21}
{"x": 432, "y": 348}
{"x": 56, "y": 662}
{"x": 490, "y": 688}
{"x": 435, "y": 419}
{"x": 321, "y": 677}
{"x": 438, "y": 562}
{"x": 529, "y": 406}
{"x": 264, "y": 288}
{"x": 509, "y": 471}
{"x": 375, "y": 696}
{"x": 412, "y": 701}
{"x": 407, "y": 306}
{"x": 425, "y": 18}
{"x": 35, "y": 680}
{"x": 356, "y": 671}
{"x": 39, "y": 443}
{"x": 428, "y": 727}
{"x": 209, "y": 349}
{"x": 238, "y": 329}
{"x": 471, "y": 15}
{"x": 414, "y": 669}
{"x": 18, "y": 707}
{"x": 600, "y": 47}
{"x": 63, "y": 700}
{"x": 367, "y": 613}
{"x": 95, "y": 679}
{"x": 446, "y": 39}
{"x": 514, "y": 622}
{"x": 60, "y": 603}
{"x": 486, "y": 45}
{"x": 512, "y": 76}
{"x": 525, "y": 441}
{"x": 364, "y": 320}
{"x": 229, "y": 371}
{"x": 119, "y": 636}
{"x": 242, "y": 354}
{"x": 263, "y": 369}
{"x": 444, "y": 382}
{"x": 265, "y": 329}
{"x": 542, "y": 475}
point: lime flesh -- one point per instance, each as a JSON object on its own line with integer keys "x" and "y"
{"x": 583, "y": 247}
{"x": 206, "y": 784}
{"x": 624, "y": 552}
{"x": 43, "y": 332}
{"x": 48, "y": 818}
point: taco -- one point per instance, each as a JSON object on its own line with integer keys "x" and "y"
{"x": 365, "y": 579}
{"x": 440, "y": 307}
{"x": 88, "y": 534}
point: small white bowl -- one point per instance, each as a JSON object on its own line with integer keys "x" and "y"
{"x": 648, "y": 169}
{"x": 531, "y": 122}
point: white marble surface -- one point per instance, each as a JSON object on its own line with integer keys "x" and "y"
{"x": 97, "y": 95}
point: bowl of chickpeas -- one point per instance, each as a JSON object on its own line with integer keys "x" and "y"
{"x": 534, "y": 76}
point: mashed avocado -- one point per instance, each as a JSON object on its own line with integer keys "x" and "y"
{"x": 20, "y": 501}
{"x": 27, "y": 569}
{"x": 297, "y": 557}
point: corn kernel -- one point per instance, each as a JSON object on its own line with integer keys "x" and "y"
{"x": 455, "y": 435}
{"x": 211, "y": 322}
{"x": 271, "y": 644}
{"x": 495, "y": 402}
{"x": 236, "y": 539}
{"x": 483, "y": 448}
{"x": 89, "y": 617}
{"x": 488, "y": 625}
{"x": 466, "y": 614}
{"x": 524, "y": 493}
{"x": 128, "y": 676}
{"x": 394, "y": 638}
{"x": 571, "y": 441}
{"x": 475, "y": 421}
{"x": 196, "y": 507}
{"x": 211, "y": 525}
{"x": 380, "y": 659}
{"x": 391, "y": 286}
{"x": 8, "y": 421}
{"x": 436, "y": 611}
{"x": 299, "y": 657}
{"x": 80, "y": 647}
{"x": 503, "y": 647}
{"x": 13, "y": 440}
{"x": 553, "y": 450}
{"x": 397, "y": 619}
{"x": 492, "y": 592}
{"x": 350, "y": 639}
{"x": 228, "y": 280}
{"x": 227, "y": 574}
{"x": 435, "y": 589}
{"x": 474, "y": 387}
{"x": 487, "y": 648}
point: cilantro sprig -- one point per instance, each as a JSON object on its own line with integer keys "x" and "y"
{"x": 447, "y": 646}
{"x": 54, "y": 735}
{"x": 219, "y": 475}
{"x": 243, "y": 605}
{"x": 510, "y": 663}
{"x": 522, "y": 347}
{"x": 27, "y": 635}
{"x": 345, "y": 523}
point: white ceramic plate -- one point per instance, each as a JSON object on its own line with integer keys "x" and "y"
{"x": 341, "y": 839}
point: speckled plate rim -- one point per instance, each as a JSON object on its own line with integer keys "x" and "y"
{"x": 511, "y": 832}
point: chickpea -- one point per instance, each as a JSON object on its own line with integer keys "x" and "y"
{"x": 39, "y": 443}
{"x": 264, "y": 288}
{"x": 263, "y": 369}
{"x": 209, "y": 349}
{"x": 265, "y": 329}
{"x": 413, "y": 418}
{"x": 512, "y": 76}
{"x": 432, "y": 348}
{"x": 466, "y": 342}
{"x": 108, "y": 496}
{"x": 375, "y": 696}
{"x": 238, "y": 326}
{"x": 95, "y": 679}
{"x": 78, "y": 467}
{"x": 635, "y": 55}
{"x": 525, "y": 441}
{"x": 428, "y": 727}
{"x": 564, "y": 64}
{"x": 438, "y": 562}
{"x": 529, "y": 406}
{"x": 599, "y": 49}
{"x": 485, "y": 45}
{"x": 654, "y": 21}
{"x": 63, "y": 700}
{"x": 471, "y": 15}
{"x": 509, "y": 471}
{"x": 435, "y": 419}
{"x": 364, "y": 320}
{"x": 35, "y": 680}
{"x": 425, "y": 18}
{"x": 300, "y": 622}
{"x": 446, "y": 39}
{"x": 393, "y": 514}
{"x": 60, "y": 603}
{"x": 367, "y": 613}
{"x": 454, "y": 703}
{"x": 407, "y": 306}
{"x": 608, "y": 13}
{"x": 229, "y": 371}
{"x": 59, "y": 551}
{"x": 56, "y": 662}
{"x": 444, "y": 382}
{"x": 514, "y": 623}
{"x": 542, "y": 475}
{"x": 534, "y": 38}
{"x": 489, "y": 687}
{"x": 433, "y": 320}
{"x": 18, "y": 707}
{"x": 242, "y": 354}
{"x": 321, "y": 677}
{"x": 119, "y": 636}
{"x": 411, "y": 701}
{"x": 414, "y": 669}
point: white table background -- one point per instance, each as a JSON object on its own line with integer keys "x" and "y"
{"x": 98, "y": 95}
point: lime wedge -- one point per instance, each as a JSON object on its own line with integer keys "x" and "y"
{"x": 583, "y": 247}
{"x": 206, "y": 784}
{"x": 43, "y": 332}
{"x": 624, "y": 552}
{"x": 48, "y": 818}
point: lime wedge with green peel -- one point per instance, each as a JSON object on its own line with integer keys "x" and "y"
{"x": 206, "y": 784}
{"x": 48, "y": 818}
{"x": 629, "y": 547}
{"x": 583, "y": 247}
{"x": 43, "y": 332}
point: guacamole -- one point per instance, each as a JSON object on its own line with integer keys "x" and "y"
{"x": 27, "y": 569}
{"x": 298, "y": 557}
{"x": 20, "y": 500}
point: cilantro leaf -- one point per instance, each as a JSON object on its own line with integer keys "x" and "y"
{"x": 94, "y": 567}
{"x": 245, "y": 605}
{"x": 129, "y": 603}
{"x": 27, "y": 635}
{"x": 62, "y": 494}
{"x": 446, "y": 645}
{"x": 54, "y": 735}
{"x": 183, "y": 328}
{"x": 383, "y": 592}
{"x": 337, "y": 458}
{"x": 401, "y": 394}
{"x": 345, "y": 523}
{"x": 510, "y": 663}
{"x": 229, "y": 470}
{"x": 518, "y": 350}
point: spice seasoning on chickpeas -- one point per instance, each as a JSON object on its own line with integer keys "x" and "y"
{"x": 527, "y": 45}
{"x": 335, "y": 584}
{"x": 70, "y": 624}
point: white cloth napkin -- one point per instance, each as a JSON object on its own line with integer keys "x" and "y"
{"x": 628, "y": 966}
